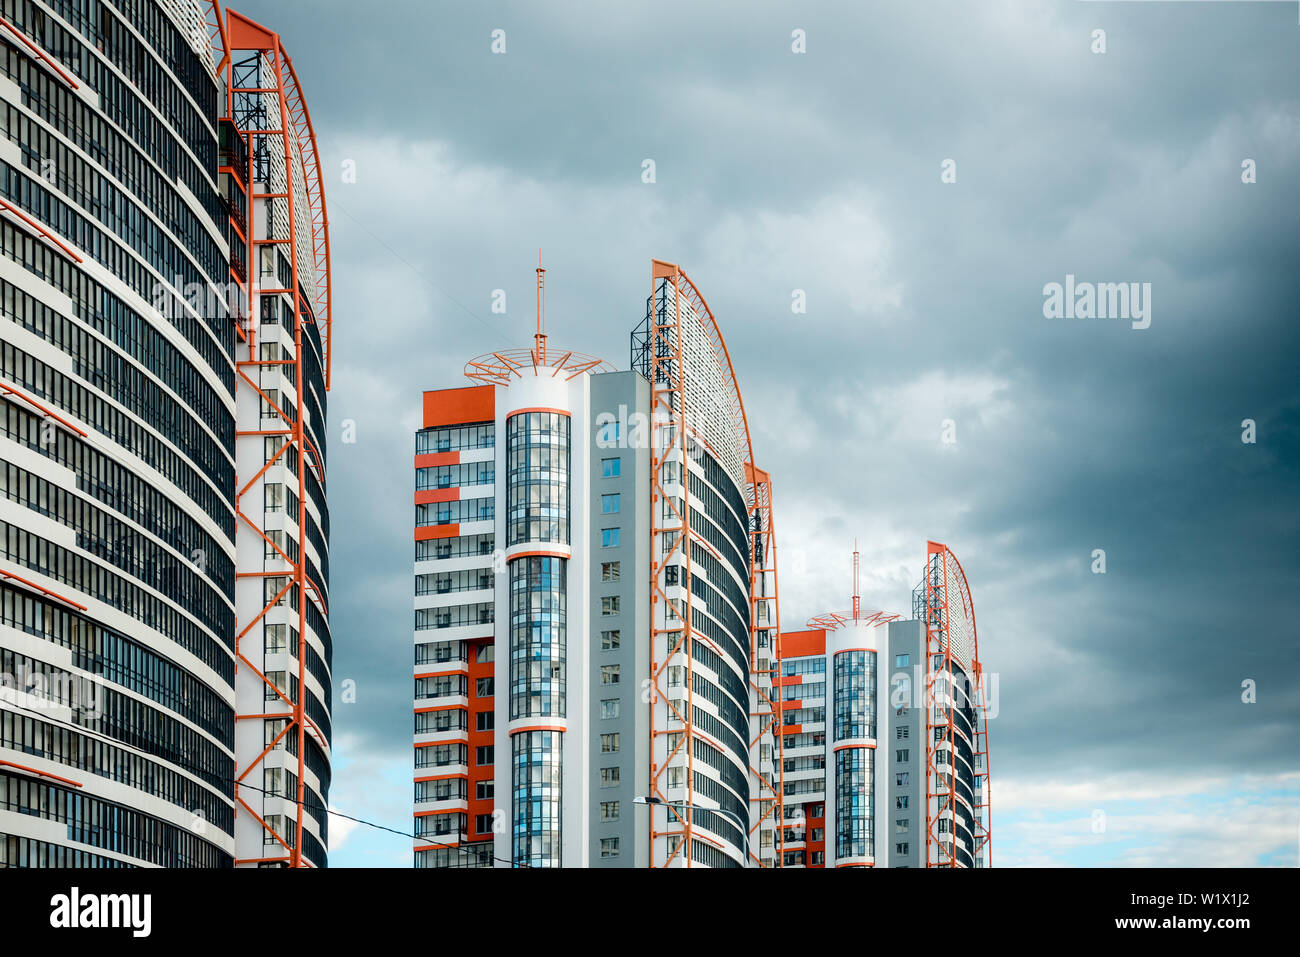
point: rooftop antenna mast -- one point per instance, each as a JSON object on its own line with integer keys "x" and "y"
{"x": 539, "y": 349}
{"x": 857, "y": 594}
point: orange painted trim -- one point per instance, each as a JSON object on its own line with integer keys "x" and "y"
{"x": 466, "y": 406}
{"x": 41, "y": 55}
{"x": 539, "y": 553}
{"x": 849, "y": 747}
{"x": 42, "y": 774}
{"x": 540, "y": 408}
{"x": 42, "y": 589}
{"x": 443, "y": 810}
{"x": 443, "y": 707}
{"x": 430, "y": 495}
{"x": 433, "y": 459}
{"x": 845, "y": 651}
{"x": 443, "y": 674}
{"x": 538, "y": 727}
{"x": 426, "y": 532}
{"x": 7, "y": 389}
{"x": 440, "y": 777}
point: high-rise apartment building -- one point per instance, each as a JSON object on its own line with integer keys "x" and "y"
{"x": 595, "y": 613}
{"x": 885, "y": 733}
{"x": 164, "y": 356}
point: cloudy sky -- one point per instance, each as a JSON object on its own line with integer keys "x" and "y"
{"x": 1122, "y": 736}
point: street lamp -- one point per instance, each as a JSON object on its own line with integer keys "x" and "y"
{"x": 652, "y": 802}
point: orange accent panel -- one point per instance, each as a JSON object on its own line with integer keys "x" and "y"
{"x": 428, "y": 495}
{"x": 436, "y": 531}
{"x": 244, "y": 34}
{"x": 473, "y": 403}
{"x": 802, "y": 644}
{"x": 431, "y": 459}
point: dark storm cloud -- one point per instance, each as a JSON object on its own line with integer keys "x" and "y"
{"x": 821, "y": 172}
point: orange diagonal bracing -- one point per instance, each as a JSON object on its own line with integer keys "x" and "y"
{"x": 284, "y": 128}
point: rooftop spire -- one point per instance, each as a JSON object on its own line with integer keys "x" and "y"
{"x": 857, "y": 596}
{"x": 539, "y": 348}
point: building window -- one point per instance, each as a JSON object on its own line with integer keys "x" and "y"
{"x": 484, "y": 687}
{"x": 611, "y": 468}
{"x": 610, "y": 504}
{"x": 611, "y": 571}
{"x": 819, "y": 857}
{"x": 609, "y": 810}
{"x": 609, "y": 847}
{"x": 902, "y": 825}
{"x": 901, "y": 732}
{"x": 609, "y": 708}
{"x": 903, "y": 848}
{"x": 609, "y": 777}
{"x": 485, "y": 790}
{"x": 609, "y": 537}
{"x": 485, "y": 653}
{"x": 900, "y": 802}
{"x": 902, "y": 778}
{"x": 609, "y": 743}
{"x": 483, "y": 755}
{"x": 610, "y": 605}
{"x": 485, "y": 721}
{"x": 483, "y": 823}
{"x": 609, "y": 674}
{"x": 609, "y": 640}
{"x": 900, "y": 661}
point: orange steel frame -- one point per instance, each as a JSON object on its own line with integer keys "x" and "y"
{"x": 768, "y": 703}
{"x": 231, "y": 32}
{"x": 670, "y": 535}
{"x": 943, "y": 573}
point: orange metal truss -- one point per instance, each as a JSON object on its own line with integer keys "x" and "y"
{"x": 292, "y": 136}
{"x": 670, "y": 538}
{"x": 767, "y": 786}
{"x": 947, "y": 593}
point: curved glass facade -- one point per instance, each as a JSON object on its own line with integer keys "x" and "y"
{"x": 855, "y": 803}
{"x": 537, "y": 478}
{"x": 538, "y": 612}
{"x": 537, "y": 512}
{"x": 130, "y": 356}
{"x": 117, "y": 452}
{"x": 855, "y": 695}
{"x": 536, "y": 759}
